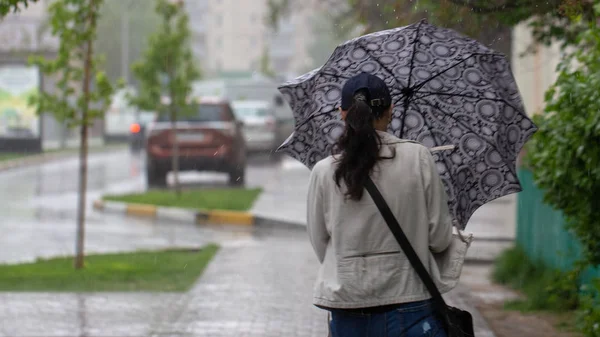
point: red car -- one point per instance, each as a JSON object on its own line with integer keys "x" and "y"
{"x": 210, "y": 139}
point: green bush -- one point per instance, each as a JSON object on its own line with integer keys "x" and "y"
{"x": 589, "y": 313}
{"x": 544, "y": 288}
{"x": 564, "y": 154}
{"x": 547, "y": 289}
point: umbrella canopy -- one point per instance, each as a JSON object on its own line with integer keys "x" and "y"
{"x": 448, "y": 91}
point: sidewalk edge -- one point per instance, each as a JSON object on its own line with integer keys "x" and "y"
{"x": 213, "y": 217}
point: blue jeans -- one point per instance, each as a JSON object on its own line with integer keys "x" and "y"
{"x": 410, "y": 320}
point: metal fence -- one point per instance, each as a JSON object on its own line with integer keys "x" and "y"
{"x": 541, "y": 230}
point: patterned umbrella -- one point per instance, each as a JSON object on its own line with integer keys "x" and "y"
{"x": 449, "y": 91}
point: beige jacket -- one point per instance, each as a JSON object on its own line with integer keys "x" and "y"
{"x": 362, "y": 264}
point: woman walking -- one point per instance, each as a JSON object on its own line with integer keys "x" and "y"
{"x": 365, "y": 280}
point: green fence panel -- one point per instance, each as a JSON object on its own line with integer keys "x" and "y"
{"x": 541, "y": 229}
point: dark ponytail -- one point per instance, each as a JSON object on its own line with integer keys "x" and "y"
{"x": 358, "y": 146}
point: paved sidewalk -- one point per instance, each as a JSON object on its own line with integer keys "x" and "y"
{"x": 259, "y": 284}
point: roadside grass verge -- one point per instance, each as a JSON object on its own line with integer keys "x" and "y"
{"x": 231, "y": 199}
{"x": 11, "y": 156}
{"x": 154, "y": 271}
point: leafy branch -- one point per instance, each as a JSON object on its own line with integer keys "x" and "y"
{"x": 13, "y": 6}
{"x": 82, "y": 92}
{"x": 564, "y": 154}
{"x": 167, "y": 68}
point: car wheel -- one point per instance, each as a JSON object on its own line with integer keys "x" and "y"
{"x": 237, "y": 177}
{"x": 154, "y": 176}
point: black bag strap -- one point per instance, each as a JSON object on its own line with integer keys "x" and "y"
{"x": 410, "y": 253}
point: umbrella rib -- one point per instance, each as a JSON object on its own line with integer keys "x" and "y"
{"x": 436, "y": 143}
{"x": 333, "y": 75}
{"x": 468, "y": 128}
{"x": 320, "y": 113}
{"x": 362, "y": 45}
{"x": 311, "y": 117}
{"x": 431, "y": 93}
{"x": 330, "y": 111}
{"x": 410, "y": 70}
{"x": 420, "y": 85}
{"x": 325, "y": 113}
{"x": 412, "y": 57}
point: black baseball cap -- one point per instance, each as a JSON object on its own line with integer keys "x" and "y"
{"x": 379, "y": 93}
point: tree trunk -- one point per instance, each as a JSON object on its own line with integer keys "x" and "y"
{"x": 64, "y": 135}
{"x": 83, "y": 146}
{"x": 83, "y": 150}
{"x": 172, "y": 113}
{"x": 175, "y": 157}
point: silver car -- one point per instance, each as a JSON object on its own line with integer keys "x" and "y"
{"x": 260, "y": 124}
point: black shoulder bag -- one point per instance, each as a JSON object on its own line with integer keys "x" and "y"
{"x": 457, "y": 322}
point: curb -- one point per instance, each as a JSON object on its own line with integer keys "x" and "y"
{"x": 214, "y": 217}
{"x": 264, "y": 221}
{"x": 222, "y": 217}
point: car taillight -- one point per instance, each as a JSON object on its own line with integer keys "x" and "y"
{"x": 135, "y": 128}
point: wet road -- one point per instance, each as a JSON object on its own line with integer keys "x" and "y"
{"x": 258, "y": 285}
{"x": 38, "y": 207}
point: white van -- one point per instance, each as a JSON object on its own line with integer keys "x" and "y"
{"x": 260, "y": 124}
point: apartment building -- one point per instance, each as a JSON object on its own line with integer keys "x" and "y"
{"x": 232, "y": 36}
{"x": 534, "y": 72}
{"x": 24, "y": 31}
{"x": 21, "y": 35}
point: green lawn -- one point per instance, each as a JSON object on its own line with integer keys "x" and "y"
{"x": 9, "y": 156}
{"x": 168, "y": 271}
{"x": 233, "y": 199}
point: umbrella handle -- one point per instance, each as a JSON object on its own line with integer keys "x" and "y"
{"x": 442, "y": 148}
{"x": 464, "y": 239}
{"x": 461, "y": 235}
